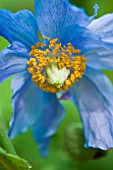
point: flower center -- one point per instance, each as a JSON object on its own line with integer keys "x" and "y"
{"x": 55, "y": 67}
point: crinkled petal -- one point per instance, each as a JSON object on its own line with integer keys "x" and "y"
{"x": 103, "y": 26}
{"x": 98, "y": 52}
{"x": 13, "y": 60}
{"x": 34, "y": 108}
{"x": 99, "y": 58}
{"x": 20, "y": 26}
{"x": 48, "y": 121}
{"x": 53, "y": 16}
{"x": 82, "y": 38}
{"x": 94, "y": 97}
{"x": 27, "y": 101}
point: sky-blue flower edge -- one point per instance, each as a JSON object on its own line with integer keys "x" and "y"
{"x": 92, "y": 94}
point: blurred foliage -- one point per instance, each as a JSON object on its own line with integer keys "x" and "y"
{"x": 24, "y": 144}
{"x": 105, "y": 6}
{"x": 74, "y": 144}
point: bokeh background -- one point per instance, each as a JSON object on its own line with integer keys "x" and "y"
{"x": 24, "y": 144}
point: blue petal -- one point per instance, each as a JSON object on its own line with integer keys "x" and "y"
{"x": 103, "y": 27}
{"x": 53, "y": 16}
{"x": 20, "y": 27}
{"x": 94, "y": 97}
{"x": 27, "y": 101}
{"x": 13, "y": 60}
{"x": 48, "y": 121}
{"x": 99, "y": 58}
{"x": 36, "y": 108}
{"x": 81, "y": 38}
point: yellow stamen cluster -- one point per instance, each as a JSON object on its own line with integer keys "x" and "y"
{"x": 62, "y": 56}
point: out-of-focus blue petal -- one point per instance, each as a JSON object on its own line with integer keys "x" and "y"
{"x": 48, "y": 121}
{"x": 27, "y": 101}
{"x": 20, "y": 27}
{"x": 36, "y": 108}
{"x": 13, "y": 60}
{"x": 99, "y": 58}
{"x": 103, "y": 26}
{"x": 53, "y": 16}
{"x": 94, "y": 97}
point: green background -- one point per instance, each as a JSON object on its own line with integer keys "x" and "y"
{"x": 25, "y": 145}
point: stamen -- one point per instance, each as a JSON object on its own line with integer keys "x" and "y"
{"x": 45, "y": 57}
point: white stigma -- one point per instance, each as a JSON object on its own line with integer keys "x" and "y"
{"x": 56, "y": 76}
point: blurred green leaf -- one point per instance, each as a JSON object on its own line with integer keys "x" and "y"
{"x": 11, "y": 162}
{"x": 74, "y": 143}
{"x": 17, "y": 5}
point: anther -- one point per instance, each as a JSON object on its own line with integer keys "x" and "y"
{"x": 55, "y": 67}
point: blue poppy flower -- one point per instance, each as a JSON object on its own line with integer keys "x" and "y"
{"x": 74, "y": 49}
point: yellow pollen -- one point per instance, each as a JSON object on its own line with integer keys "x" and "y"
{"x": 43, "y": 56}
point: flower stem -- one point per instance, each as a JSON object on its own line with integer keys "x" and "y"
{"x": 12, "y": 162}
{"x": 8, "y": 157}
{"x": 7, "y": 164}
{"x": 5, "y": 141}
